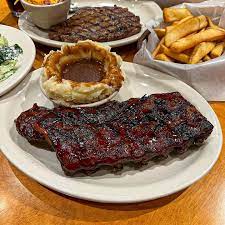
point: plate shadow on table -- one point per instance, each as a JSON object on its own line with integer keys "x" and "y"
{"x": 57, "y": 204}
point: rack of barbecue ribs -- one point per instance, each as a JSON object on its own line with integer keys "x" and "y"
{"x": 116, "y": 133}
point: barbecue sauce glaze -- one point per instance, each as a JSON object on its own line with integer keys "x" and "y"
{"x": 84, "y": 70}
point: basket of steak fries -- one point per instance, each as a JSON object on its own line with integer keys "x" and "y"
{"x": 189, "y": 44}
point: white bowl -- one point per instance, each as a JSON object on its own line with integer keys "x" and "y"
{"x": 45, "y": 16}
{"x": 66, "y": 104}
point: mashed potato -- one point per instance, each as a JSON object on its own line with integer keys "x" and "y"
{"x": 73, "y": 92}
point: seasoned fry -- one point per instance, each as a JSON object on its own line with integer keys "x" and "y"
{"x": 200, "y": 51}
{"x": 169, "y": 28}
{"x": 160, "y": 32}
{"x": 217, "y": 50}
{"x": 156, "y": 51}
{"x": 174, "y": 14}
{"x": 181, "y": 30}
{"x": 189, "y": 42}
{"x": 178, "y": 56}
{"x": 163, "y": 57}
{"x": 206, "y": 58}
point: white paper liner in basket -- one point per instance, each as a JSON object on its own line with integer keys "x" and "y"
{"x": 208, "y": 78}
{"x": 168, "y": 3}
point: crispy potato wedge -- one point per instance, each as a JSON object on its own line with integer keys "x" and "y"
{"x": 217, "y": 50}
{"x": 181, "y": 30}
{"x": 157, "y": 49}
{"x": 206, "y": 58}
{"x": 163, "y": 57}
{"x": 191, "y": 41}
{"x": 181, "y": 57}
{"x": 200, "y": 51}
{"x": 169, "y": 28}
{"x": 160, "y": 32}
{"x": 174, "y": 14}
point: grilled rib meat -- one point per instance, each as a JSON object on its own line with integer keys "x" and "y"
{"x": 98, "y": 24}
{"x": 134, "y": 131}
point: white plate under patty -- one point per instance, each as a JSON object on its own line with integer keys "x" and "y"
{"x": 25, "y": 60}
{"x": 145, "y": 9}
{"x": 150, "y": 182}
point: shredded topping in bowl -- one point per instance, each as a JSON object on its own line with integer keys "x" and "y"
{"x": 43, "y": 2}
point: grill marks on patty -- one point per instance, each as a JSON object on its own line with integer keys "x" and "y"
{"x": 100, "y": 24}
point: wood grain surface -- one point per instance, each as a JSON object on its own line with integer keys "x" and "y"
{"x": 24, "y": 202}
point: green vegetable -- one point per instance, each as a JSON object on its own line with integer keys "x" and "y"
{"x": 9, "y": 53}
{"x": 8, "y": 58}
{"x": 3, "y": 41}
{"x": 7, "y": 69}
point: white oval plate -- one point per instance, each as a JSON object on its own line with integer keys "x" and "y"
{"x": 15, "y": 36}
{"x": 146, "y": 10}
{"x": 150, "y": 182}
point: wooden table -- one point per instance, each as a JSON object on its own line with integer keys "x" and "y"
{"x": 23, "y": 201}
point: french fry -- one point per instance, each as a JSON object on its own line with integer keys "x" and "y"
{"x": 178, "y": 56}
{"x": 174, "y": 14}
{"x": 181, "y": 30}
{"x": 212, "y": 25}
{"x": 191, "y": 34}
{"x": 188, "y": 51}
{"x": 157, "y": 49}
{"x": 203, "y": 29}
{"x": 204, "y": 36}
{"x": 163, "y": 57}
{"x": 217, "y": 50}
{"x": 160, "y": 32}
{"x": 206, "y": 58}
{"x": 171, "y": 27}
{"x": 200, "y": 51}
{"x": 176, "y": 22}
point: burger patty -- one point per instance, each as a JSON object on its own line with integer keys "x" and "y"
{"x": 100, "y": 24}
